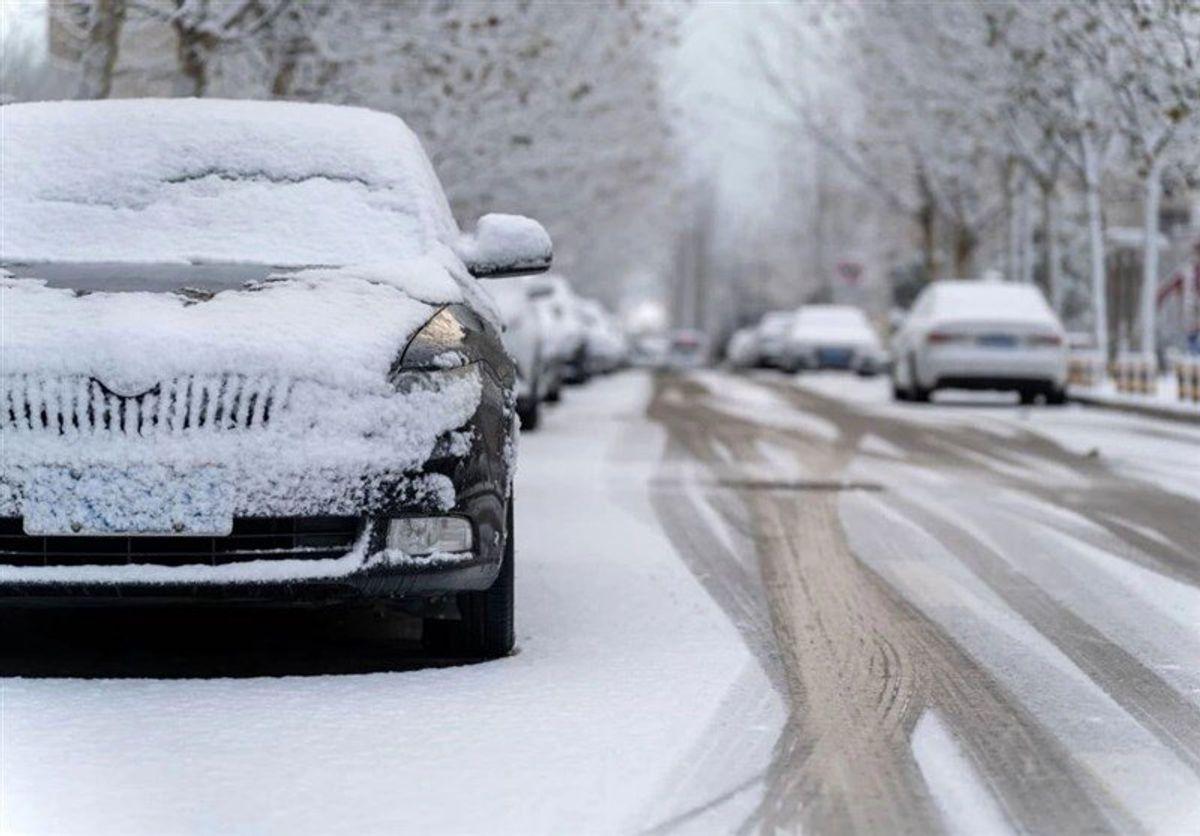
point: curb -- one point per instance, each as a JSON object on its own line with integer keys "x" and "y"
{"x": 1136, "y": 408}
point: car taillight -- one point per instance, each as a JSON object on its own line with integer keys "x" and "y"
{"x": 1043, "y": 340}
{"x": 944, "y": 337}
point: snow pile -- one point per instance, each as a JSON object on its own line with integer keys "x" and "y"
{"x": 506, "y": 242}
{"x": 195, "y": 180}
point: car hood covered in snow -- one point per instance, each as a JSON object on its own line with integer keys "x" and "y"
{"x": 340, "y": 326}
{"x": 269, "y": 384}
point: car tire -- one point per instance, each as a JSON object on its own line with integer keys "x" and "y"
{"x": 530, "y": 413}
{"x": 555, "y": 394}
{"x": 916, "y": 392}
{"x": 1056, "y": 396}
{"x": 899, "y": 393}
{"x": 486, "y": 628}
{"x": 1028, "y": 396}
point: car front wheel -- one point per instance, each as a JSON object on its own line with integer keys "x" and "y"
{"x": 530, "y": 412}
{"x": 486, "y": 627}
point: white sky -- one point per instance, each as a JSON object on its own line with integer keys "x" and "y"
{"x": 22, "y": 19}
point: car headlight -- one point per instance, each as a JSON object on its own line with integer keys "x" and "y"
{"x": 442, "y": 343}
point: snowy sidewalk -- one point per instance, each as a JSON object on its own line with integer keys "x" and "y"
{"x": 1165, "y": 403}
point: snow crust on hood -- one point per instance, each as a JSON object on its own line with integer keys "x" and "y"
{"x": 340, "y": 326}
{"x": 157, "y": 180}
{"x": 314, "y": 348}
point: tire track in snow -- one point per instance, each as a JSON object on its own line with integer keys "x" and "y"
{"x": 864, "y": 665}
{"x": 1131, "y": 684}
{"x": 1124, "y": 507}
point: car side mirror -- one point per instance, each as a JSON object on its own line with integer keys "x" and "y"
{"x": 506, "y": 245}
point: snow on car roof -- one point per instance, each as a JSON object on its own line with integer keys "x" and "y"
{"x": 990, "y": 300}
{"x": 213, "y": 180}
{"x": 838, "y": 323}
{"x": 831, "y": 314}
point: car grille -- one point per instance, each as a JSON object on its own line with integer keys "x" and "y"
{"x": 83, "y": 405}
{"x": 252, "y": 538}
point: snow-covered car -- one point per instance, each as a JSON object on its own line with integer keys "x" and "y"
{"x": 525, "y": 340}
{"x": 246, "y": 358}
{"x": 567, "y": 337}
{"x": 687, "y": 349}
{"x": 649, "y": 351}
{"x": 832, "y": 337}
{"x": 980, "y": 335}
{"x": 605, "y": 347}
{"x": 772, "y": 338}
{"x": 742, "y": 349}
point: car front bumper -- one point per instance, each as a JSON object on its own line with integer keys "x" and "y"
{"x": 467, "y": 475}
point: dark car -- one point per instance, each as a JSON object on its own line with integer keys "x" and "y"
{"x": 246, "y": 359}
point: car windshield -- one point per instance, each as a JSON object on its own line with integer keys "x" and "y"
{"x": 213, "y": 181}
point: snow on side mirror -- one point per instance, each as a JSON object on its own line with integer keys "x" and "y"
{"x": 506, "y": 245}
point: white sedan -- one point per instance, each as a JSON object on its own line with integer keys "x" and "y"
{"x": 980, "y": 335}
{"x": 526, "y": 341}
{"x": 833, "y": 337}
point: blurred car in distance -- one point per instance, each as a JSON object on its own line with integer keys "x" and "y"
{"x": 772, "y": 338}
{"x": 742, "y": 349}
{"x": 525, "y": 339}
{"x": 832, "y": 337}
{"x": 649, "y": 351}
{"x": 564, "y": 333}
{"x": 987, "y": 335}
{"x": 605, "y": 346}
{"x": 687, "y": 349}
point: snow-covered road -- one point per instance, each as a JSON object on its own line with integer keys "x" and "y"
{"x": 989, "y": 615}
{"x": 745, "y": 603}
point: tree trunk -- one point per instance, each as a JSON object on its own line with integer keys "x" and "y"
{"x": 926, "y": 220}
{"x": 1025, "y": 223}
{"x": 193, "y": 63}
{"x": 1091, "y": 185}
{"x": 1053, "y": 259}
{"x": 100, "y": 53}
{"x": 965, "y": 242}
{"x": 1012, "y": 256}
{"x": 1149, "y": 302}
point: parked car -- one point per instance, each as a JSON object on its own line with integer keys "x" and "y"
{"x": 246, "y": 359}
{"x": 525, "y": 339}
{"x": 772, "y": 338}
{"x": 567, "y": 336}
{"x": 832, "y": 337}
{"x": 687, "y": 349}
{"x": 605, "y": 347}
{"x": 649, "y": 351}
{"x": 981, "y": 335}
{"x": 742, "y": 349}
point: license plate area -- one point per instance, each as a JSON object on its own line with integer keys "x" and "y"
{"x": 113, "y": 501}
{"x": 997, "y": 341}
